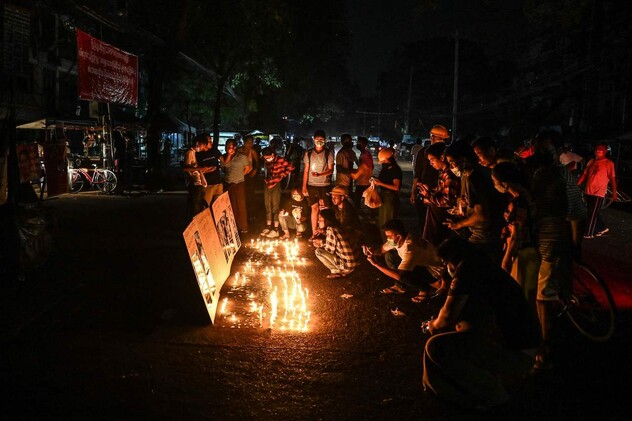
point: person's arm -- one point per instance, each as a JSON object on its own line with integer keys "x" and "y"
{"x": 613, "y": 181}
{"x": 394, "y": 187}
{"x": 475, "y": 218}
{"x": 449, "y": 314}
{"x": 392, "y": 273}
{"x": 582, "y": 178}
{"x": 511, "y": 249}
{"x": 305, "y": 174}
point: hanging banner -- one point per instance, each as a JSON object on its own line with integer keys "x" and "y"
{"x": 106, "y": 73}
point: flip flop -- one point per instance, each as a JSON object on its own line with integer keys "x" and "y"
{"x": 419, "y": 298}
{"x": 391, "y": 290}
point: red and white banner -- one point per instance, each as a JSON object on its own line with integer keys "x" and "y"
{"x": 106, "y": 74}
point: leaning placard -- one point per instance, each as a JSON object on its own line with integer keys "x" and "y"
{"x": 207, "y": 258}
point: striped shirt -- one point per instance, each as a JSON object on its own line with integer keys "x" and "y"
{"x": 277, "y": 170}
{"x": 345, "y": 257}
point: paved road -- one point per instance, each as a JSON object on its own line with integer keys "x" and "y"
{"x": 113, "y": 327}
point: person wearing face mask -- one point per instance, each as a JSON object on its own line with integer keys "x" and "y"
{"x": 482, "y": 204}
{"x": 194, "y": 177}
{"x": 411, "y": 264}
{"x": 439, "y": 199}
{"x": 390, "y": 181}
{"x": 236, "y": 167}
{"x": 276, "y": 168}
{"x": 521, "y": 258}
{"x": 318, "y": 164}
{"x": 336, "y": 251}
{"x": 484, "y": 334}
{"x": 346, "y": 159}
{"x": 294, "y": 215}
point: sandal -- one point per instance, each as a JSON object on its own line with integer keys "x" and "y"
{"x": 392, "y": 290}
{"x": 419, "y": 298}
{"x": 543, "y": 361}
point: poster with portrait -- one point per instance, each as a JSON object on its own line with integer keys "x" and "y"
{"x": 207, "y": 259}
{"x": 226, "y": 227}
{"x": 56, "y": 168}
{"x": 28, "y": 163}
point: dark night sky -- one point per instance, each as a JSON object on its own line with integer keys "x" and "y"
{"x": 377, "y": 27}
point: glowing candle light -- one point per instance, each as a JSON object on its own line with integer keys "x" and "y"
{"x": 223, "y": 307}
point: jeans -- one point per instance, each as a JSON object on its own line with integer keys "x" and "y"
{"x": 272, "y": 200}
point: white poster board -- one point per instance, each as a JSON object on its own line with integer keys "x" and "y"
{"x": 212, "y": 244}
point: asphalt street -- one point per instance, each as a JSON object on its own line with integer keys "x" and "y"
{"x": 113, "y": 327}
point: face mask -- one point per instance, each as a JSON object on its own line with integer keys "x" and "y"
{"x": 320, "y": 144}
{"x": 297, "y": 197}
{"x": 391, "y": 242}
{"x": 269, "y": 159}
{"x": 321, "y": 225}
{"x": 456, "y": 172}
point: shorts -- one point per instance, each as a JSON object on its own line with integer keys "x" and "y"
{"x": 317, "y": 193}
{"x": 554, "y": 280}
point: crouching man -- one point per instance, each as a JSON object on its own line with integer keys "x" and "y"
{"x": 484, "y": 335}
{"x": 294, "y": 214}
{"x": 336, "y": 252}
{"x": 411, "y": 264}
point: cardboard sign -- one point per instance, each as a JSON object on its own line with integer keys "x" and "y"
{"x": 212, "y": 243}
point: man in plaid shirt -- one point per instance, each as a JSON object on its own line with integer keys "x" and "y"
{"x": 336, "y": 253}
{"x": 276, "y": 169}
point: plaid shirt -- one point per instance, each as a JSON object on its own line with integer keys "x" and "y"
{"x": 447, "y": 190}
{"x": 337, "y": 244}
{"x": 277, "y": 170}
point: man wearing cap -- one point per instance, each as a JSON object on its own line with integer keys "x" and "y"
{"x": 425, "y": 174}
{"x": 318, "y": 164}
{"x": 344, "y": 210}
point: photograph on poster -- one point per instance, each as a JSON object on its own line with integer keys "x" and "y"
{"x": 226, "y": 227}
{"x": 28, "y": 163}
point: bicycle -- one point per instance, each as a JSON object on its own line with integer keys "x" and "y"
{"x": 104, "y": 179}
{"x": 621, "y": 198}
{"x": 590, "y": 308}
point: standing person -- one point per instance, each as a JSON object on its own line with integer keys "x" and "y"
{"x": 486, "y": 151}
{"x": 346, "y": 159}
{"x": 195, "y": 180}
{"x": 389, "y": 181}
{"x": 276, "y": 168}
{"x": 484, "y": 335}
{"x": 483, "y": 205}
{"x": 521, "y": 259}
{"x": 253, "y": 161}
{"x": 425, "y": 174}
{"x": 209, "y": 158}
{"x": 365, "y": 170}
{"x": 236, "y": 167}
{"x": 294, "y": 155}
{"x": 598, "y": 173}
{"x": 336, "y": 252}
{"x": 441, "y": 198}
{"x": 414, "y": 151}
{"x": 318, "y": 164}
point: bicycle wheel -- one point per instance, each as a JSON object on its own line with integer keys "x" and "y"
{"x": 591, "y": 308}
{"x": 106, "y": 181}
{"x": 75, "y": 181}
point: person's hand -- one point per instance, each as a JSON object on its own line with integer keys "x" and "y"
{"x": 317, "y": 242}
{"x": 305, "y": 192}
{"x": 412, "y": 197}
{"x": 371, "y": 259}
{"x": 452, "y": 225}
{"x": 315, "y": 174}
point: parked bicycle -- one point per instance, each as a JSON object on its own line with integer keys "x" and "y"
{"x": 621, "y": 198}
{"x": 590, "y": 308}
{"x": 101, "y": 178}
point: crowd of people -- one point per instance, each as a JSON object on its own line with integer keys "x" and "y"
{"x": 496, "y": 236}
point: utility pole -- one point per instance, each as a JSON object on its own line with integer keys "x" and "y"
{"x": 410, "y": 92}
{"x": 456, "y": 85}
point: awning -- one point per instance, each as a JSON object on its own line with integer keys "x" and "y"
{"x": 45, "y": 123}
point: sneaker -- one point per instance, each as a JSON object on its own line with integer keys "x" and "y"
{"x": 265, "y": 232}
{"x": 272, "y": 234}
{"x": 602, "y": 232}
